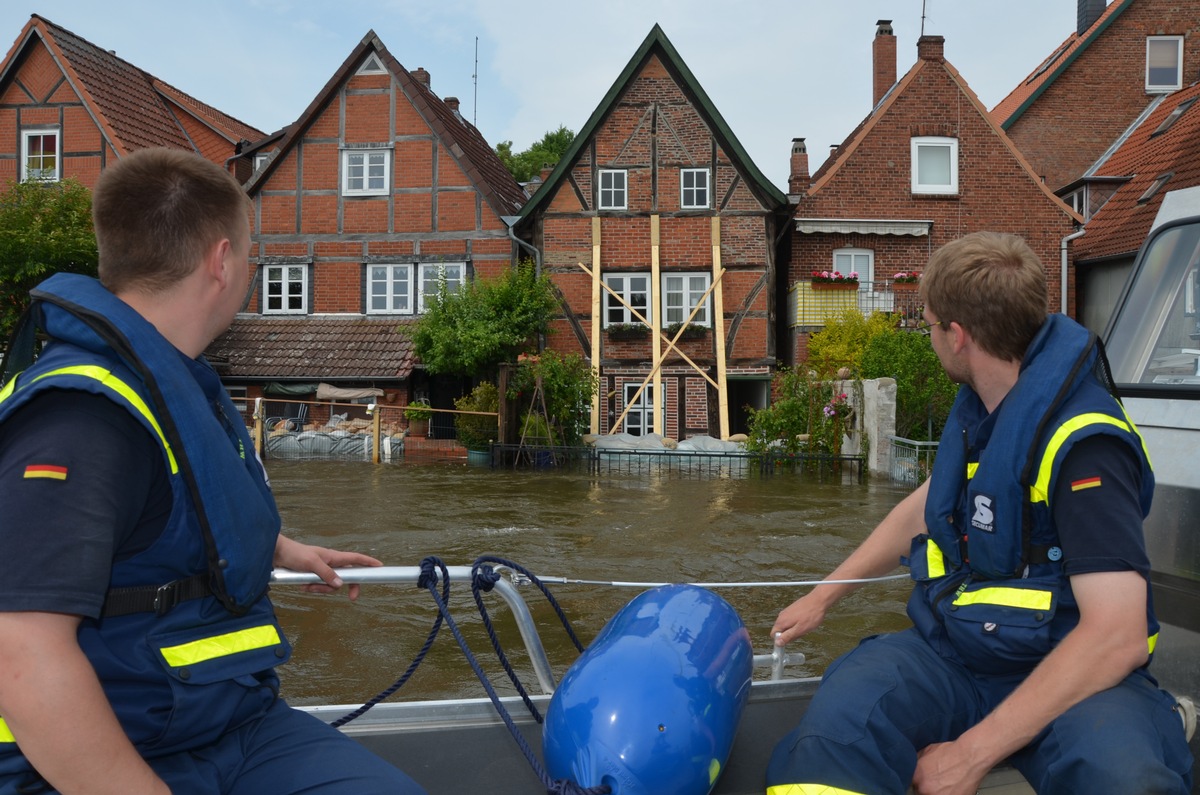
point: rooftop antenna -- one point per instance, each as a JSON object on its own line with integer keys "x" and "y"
{"x": 475, "y": 81}
{"x": 923, "y": 17}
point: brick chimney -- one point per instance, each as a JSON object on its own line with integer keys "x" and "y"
{"x": 1088, "y": 12}
{"x": 798, "y": 179}
{"x": 931, "y": 48}
{"x": 883, "y": 57}
{"x": 421, "y": 76}
{"x": 452, "y": 103}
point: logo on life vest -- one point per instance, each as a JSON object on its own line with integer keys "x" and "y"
{"x": 983, "y": 519}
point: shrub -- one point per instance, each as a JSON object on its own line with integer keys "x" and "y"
{"x": 924, "y": 393}
{"x": 478, "y": 431}
{"x": 842, "y": 342}
{"x": 568, "y": 385}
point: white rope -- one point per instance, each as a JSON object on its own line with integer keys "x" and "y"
{"x": 772, "y": 584}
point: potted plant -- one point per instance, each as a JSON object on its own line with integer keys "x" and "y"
{"x": 905, "y": 281}
{"x": 628, "y": 331}
{"x": 690, "y": 332}
{"x": 835, "y": 280}
{"x": 418, "y": 413}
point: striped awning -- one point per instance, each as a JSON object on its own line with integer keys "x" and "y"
{"x": 863, "y": 226}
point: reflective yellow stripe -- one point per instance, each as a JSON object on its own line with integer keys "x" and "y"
{"x": 935, "y": 563}
{"x": 971, "y": 467}
{"x": 110, "y": 381}
{"x": 809, "y": 789}
{"x": 204, "y": 649}
{"x": 1006, "y": 597}
{"x": 1152, "y": 642}
{"x": 8, "y": 389}
{"x": 1040, "y": 490}
{"x": 6, "y": 733}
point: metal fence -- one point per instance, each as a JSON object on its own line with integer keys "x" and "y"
{"x": 911, "y": 461}
{"x": 815, "y": 305}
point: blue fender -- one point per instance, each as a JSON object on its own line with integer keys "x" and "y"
{"x": 652, "y": 706}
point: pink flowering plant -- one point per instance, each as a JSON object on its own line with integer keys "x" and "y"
{"x": 837, "y": 407}
{"x": 835, "y": 277}
{"x": 906, "y": 277}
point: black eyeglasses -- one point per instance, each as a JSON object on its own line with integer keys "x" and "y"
{"x": 927, "y": 328}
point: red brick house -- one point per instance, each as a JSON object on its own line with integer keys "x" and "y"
{"x": 1160, "y": 154}
{"x": 69, "y": 107}
{"x": 1120, "y": 60}
{"x": 1123, "y": 65}
{"x": 656, "y": 218}
{"x": 375, "y": 196}
{"x": 926, "y": 166}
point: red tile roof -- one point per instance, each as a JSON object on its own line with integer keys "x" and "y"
{"x": 1011, "y": 107}
{"x": 129, "y": 103}
{"x": 1120, "y": 226}
{"x": 313, "y": 346}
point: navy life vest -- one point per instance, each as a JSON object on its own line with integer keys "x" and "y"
{"x": 991, "y": 582}
{"x": 180, "y": 676}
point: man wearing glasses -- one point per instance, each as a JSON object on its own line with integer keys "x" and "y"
{"x": 1032, "y": 626}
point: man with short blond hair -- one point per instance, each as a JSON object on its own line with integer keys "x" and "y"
{"x": 1033, "y": 627}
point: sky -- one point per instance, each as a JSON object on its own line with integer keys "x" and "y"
{"x": 774, "y": 70}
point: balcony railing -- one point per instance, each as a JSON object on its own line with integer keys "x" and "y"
{"x": 810, "y": 306}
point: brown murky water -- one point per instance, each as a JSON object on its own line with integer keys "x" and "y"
{"x": 583, "y": 526}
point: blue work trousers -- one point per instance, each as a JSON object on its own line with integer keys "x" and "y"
{"x": 893, "y": 695}
{"x": 285, "y": 752}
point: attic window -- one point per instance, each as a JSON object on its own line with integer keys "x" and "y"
{"x": 366, "y": 172}
{"x": 1173, "y": 116}
{"x": 1155, "y": 187}
{"x": 371, "y": 66}
{"x": 1046, "y": 64}
{"x": 935, "y": 165}
{"x": 40, "y": 156}
{"x": 1164, "y": 63}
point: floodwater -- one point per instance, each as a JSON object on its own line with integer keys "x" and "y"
{"x": 630, "y": 528}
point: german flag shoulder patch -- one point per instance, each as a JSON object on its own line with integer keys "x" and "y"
{"x": 50, "y": 471}
{"x": 1085, "y": 483}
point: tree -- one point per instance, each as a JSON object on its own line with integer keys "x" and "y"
{"x": 488, "y": 321}
{"x": 45, "y": 228}
{"x": 524, "y": 166}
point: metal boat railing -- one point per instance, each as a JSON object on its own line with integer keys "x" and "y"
{"x": 506, "y": 587}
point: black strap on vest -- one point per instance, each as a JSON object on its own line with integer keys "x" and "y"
{"x": 157, "y": 599}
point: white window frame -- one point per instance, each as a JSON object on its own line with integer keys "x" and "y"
{"x": 388, "y": 276}
{"x": 626, "y": 284}
{"x": 859, "y": 260}
{"x": 1177, "y": 83}
{"x": 261, "y": 160}
{"x": 431, "y": 276}
{"x": 39, "y": 175}
{"x": 609, "y": 194}
{"x": 681, "y": 292}
{"x": 693, "y": 190}
{"x": 639, "y": 420}
{"x": 371, "y": 65}
{"x": 931, "y": 142}
{"x": 285, "y": 289}
{"x": 375, "y": 167}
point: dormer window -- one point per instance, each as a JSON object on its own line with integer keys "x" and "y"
{"x": 935, "y": 165}
{"x": 1164, "y": 63}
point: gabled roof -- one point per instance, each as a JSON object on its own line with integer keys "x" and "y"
{"x": 656, "y": 42}
{"x": 464, "y": 142}
{"x": 132, "y": 107}
{"x": 832, "y": 165}
{"x": 1018, "y": 101}
{"x": 1146, "y": 156}
{"x": 345, "y": 348}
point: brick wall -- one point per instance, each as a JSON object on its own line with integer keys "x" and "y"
{"x": 432, "y": 211}
{"x": 1089, "y": 105}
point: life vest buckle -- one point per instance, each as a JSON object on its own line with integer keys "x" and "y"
{"x": 167, "y": 596}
